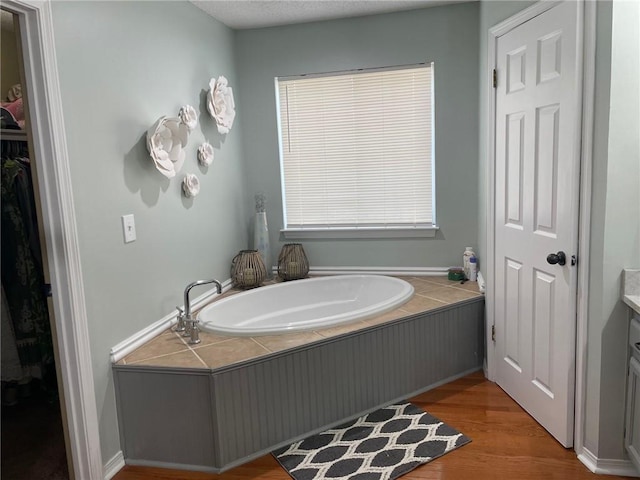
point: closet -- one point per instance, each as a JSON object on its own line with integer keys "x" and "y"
{"x": 33, "y": 438}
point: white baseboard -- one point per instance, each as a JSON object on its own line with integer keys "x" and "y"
{"x": 605, "y": 466}
{"x": 113, "y": 466}
{"x": 402, "y": 271}
{"x": 139, "y": 338}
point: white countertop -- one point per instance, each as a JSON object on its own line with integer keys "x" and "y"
{"x": 631, "y": 288}
{"x": 633, "y": 301}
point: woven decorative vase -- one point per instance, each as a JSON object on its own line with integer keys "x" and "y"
{"x": 292, "y": 262}
{"x": 247, "y": 269}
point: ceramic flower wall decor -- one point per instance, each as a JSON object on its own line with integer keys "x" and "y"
{"x": 166, "y": 141}
{"x": 220, "y": 104}
{"x": 190, "y": 185}
{"x": 189, "y": 117}
{"x": 205, "y": 154}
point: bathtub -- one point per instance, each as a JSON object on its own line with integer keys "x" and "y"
{"x": 305, "y": 305}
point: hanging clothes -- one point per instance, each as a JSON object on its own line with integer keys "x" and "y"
{"x": 12, "y": 370}
{"x": 22, "y": 273}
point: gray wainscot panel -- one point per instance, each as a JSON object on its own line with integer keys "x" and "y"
{"x": 225, "y": 417}
{"x": 165, "y": 416}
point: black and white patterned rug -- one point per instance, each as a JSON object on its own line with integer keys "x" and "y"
{"x": 379, "y": 446}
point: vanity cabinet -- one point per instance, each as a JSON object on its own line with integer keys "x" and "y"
{"x": 632, "y": 435}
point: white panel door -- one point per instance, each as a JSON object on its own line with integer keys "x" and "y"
{"x": 536, "y": 200}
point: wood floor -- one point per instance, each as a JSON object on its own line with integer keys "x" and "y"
{"x": 506, "y": 443}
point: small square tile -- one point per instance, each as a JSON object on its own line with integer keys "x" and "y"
{"x": 450, "y": 295}
{"x": 419, "y": 304}
{"x": 468, "y": 286}
{"x": 186, "y": 359}
{"x": 441, "y": 279}
{"x": 164, "y": 344}
{"x": 340, "y": 329}
{"x": 208, "y": 338}
{"x": 232, "y": 351}
{"x": 276, "y": 343}
{"x": 423, "y": 286}
{"x": 387, "y": 317}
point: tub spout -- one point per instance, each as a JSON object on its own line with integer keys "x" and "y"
{"x": 191, "y": 324}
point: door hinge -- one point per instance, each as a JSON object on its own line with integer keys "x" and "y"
{"x": 495, "y": 78}
{"x": 493, "y": 333}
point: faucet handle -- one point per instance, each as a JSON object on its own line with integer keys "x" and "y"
{"x": 180, "y": 327}
{"x": 195, "y": 333}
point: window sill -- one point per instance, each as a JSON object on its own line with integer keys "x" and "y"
{"x": 350, "y": 232}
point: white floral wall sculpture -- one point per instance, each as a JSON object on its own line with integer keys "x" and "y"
{"x": 205, "y": 154}
{"x": 189, "y": 117}
{"x": 190, "y": 185}
{"x": 220, "y": 104}
{"x": 166, "y": 141}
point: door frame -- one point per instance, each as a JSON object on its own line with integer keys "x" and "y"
{"x": 586, "y": 43}
{"x": 60, "y": 233}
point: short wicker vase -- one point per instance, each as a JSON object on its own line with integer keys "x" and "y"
{"x": 292, "y": 262}
{"x": 247, "y": 269}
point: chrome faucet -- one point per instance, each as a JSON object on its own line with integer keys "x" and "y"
{"x": 189, "y": 323}
{"x": 180, "y": 327}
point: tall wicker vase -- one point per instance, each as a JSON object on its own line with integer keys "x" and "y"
{"x": 292, "y": 262}
{"x": 247, "y": 269}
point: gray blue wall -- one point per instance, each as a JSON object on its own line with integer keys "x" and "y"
{"x": 122, "y": 65}
{"x": 615, "y": 221}
{"x": 447, "y": 36}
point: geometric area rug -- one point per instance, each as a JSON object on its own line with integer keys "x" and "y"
{"x": 379, "y": 446}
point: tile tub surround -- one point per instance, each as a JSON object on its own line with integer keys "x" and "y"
{"x": 215, "y": 351}
{"x": 631, "y": 288}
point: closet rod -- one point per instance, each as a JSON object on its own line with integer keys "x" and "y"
{"x": 9, "y": 134}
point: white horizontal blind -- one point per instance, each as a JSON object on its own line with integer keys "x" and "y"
{"x": 356, "y": 149}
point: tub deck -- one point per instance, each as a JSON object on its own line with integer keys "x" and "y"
{"x": 215, "y": 351}
{"x": 229, "y": 400}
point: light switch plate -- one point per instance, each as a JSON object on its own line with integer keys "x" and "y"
{"x": 128, "y": 228}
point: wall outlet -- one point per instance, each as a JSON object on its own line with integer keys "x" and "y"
{"x": 128, "y": 228}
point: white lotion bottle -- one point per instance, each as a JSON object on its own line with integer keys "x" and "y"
{"x": 468, "y": 253}
{"x": 473, "y": 269}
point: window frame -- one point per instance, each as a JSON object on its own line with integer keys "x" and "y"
{"x": 347, "y": 232}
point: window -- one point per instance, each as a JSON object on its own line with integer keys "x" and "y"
{"x": 356, "y": 153}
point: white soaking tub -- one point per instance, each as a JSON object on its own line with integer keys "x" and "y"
{"x": 305, "y": 305}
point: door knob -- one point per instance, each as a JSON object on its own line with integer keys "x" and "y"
{"x": 560, "y": 258}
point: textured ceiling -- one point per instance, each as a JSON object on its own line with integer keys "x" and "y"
{"x": 241, "y": 14}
